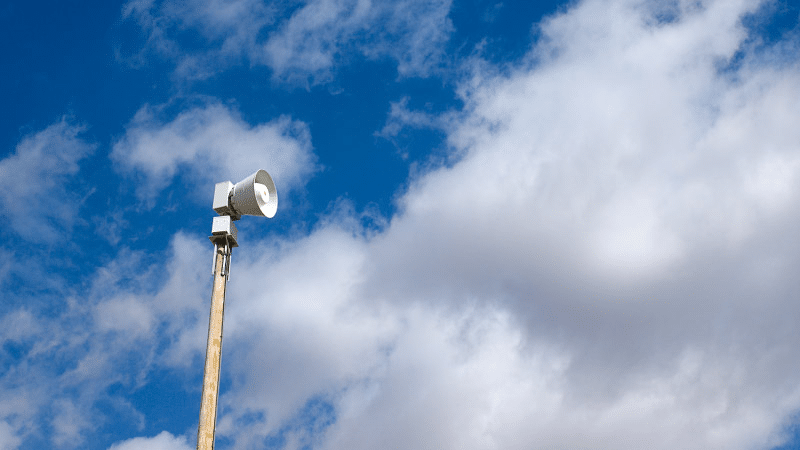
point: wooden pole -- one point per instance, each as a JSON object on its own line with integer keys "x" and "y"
{"x": 208, "y": 406}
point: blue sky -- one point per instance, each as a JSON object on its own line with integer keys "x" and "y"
{"x": 501, "y": 224}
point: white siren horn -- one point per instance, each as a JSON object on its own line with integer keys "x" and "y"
{"x": 254, "y": 196}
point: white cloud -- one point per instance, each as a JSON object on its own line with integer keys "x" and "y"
{"x": 162, "y": 441}
{"x": 69, "y": 423}
{"x": 230, "y": 27}
{"x": 320, "y": 33}
{"x": 213, "y": 143}
{"x": 126, "y": 315}
{"x": 401, "y": 116}
{"x": 8, "y": 439}
{"x": 32, "y": 179}
{"x": 297, "y": 40}
{"x": 452, "y": 381}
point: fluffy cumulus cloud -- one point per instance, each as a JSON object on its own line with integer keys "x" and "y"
{"x": 628, "y": 198}
{"x": 212, "y": 143}
{"x": 163, "y": 441}
{"x": 300, "y": 40}
{"x": 608, "y": 264}
{"x": 33, "y": 192}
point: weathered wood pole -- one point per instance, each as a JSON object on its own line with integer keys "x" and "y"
{"x": 208, "y": 406}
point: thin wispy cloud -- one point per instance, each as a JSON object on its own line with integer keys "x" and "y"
{"x": 300, "y": 42}
{"x": 34, "y": 197}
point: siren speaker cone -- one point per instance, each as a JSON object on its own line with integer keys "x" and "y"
{"x": 255, "y": 196}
